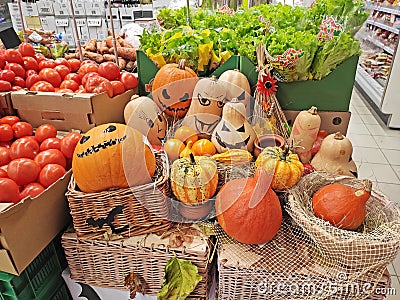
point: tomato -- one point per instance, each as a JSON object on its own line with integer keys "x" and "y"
{"x": 81, "y": 90}
{"x": 7, "y": 75}
{"x": 63, "y": 91}
{"x": 6, "y": 133}
{"x": 98, "y": 85}
{"x": 5, "y": 86}
{"x": 3, "y": 174}
{"x": 22, "y": 129}
{"x": 51, "y": 76}
{"x": 24, "y": 147}
{"x": 18, "y": 81}
{"x": 87, "y": 76}
{"x": 2, "y": 62}
{"x": 45, "y": 131}
{"x": 6, "y": 144}
{"x": 69, "y": 84}
{"x": 16, "y": 68}
{"x": 62, "y": 70}
{"x": 23, "y": 170}
{"x": 74, "y": 64}
{"x": 39, "y": 57}
{"x": 64, "y": 62}
{"x": 109, "y": 70}
{"x": 50, "y": 174}
{"x": 10, "y": 120}
{"x": 16, "y": 88}
{"x": 68, "y": 143}
{"x": 129, "y": 80}
{"x": 29, "y": 73}
{"x": 26, "y": 49}
{"x": 73, "y": 76}
{"x": 9, "y": 191}
{"x": 51, "y": 156}
{"x": 42, "y": 86}
{"x": 50, "y": 143}
{"x": 118, "y": 87}
{"x": 30, "y": 63}
{"x": 31, "y": 80}
{"x": 4, "y": 156}
{"x": 87, "y": 68}
{"x": 88, "y": 61}
{"x": 48, "y": 63}
{"x": 32, "y": 190}
{"x": 13, "y": 56}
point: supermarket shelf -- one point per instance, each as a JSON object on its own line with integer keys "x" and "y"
{"x": 383, "y": 26}
{"x": 370, "y": 86}
{"x": 387, "y": 9}
{"x": 380, "y": 45}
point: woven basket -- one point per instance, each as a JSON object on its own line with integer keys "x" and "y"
{"x": 106, "y": 263}
{"x": 145, "y": 208}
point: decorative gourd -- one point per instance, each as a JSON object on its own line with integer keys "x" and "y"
{"x": 112, "y": 156}
{"x": 304, "y": 133}
{"x": 203, "y": 147}
{"x": 205, "y": 110}
{"x": 172, "y": 88}
{"x": 144, "y": 115}
{"x": 249, "y": 210}
{"x": 237, "y": 87}
{"x": 187, "y": 150}
{"x": 233, "y": 131}
{"x": 234, "y": 156}
{"x": 173, "y": 147}
{"x": 341, "y": 205}
{"x": 194, "y": 180}
{"x": 334, "y": 156}
{"x": 283, "y": 165}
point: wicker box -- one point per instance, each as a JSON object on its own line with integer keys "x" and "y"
{"x": 106, "y": 263}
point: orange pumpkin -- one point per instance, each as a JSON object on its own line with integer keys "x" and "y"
{"x": 112, "y": 156}
{"x": 172, "y": 88}
{"x": 203, "y": 147}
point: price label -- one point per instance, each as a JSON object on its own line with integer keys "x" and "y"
{"x": 62, "y": 22}
{"x": 94, "y": 22}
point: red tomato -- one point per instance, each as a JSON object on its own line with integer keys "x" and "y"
{"x": 18, "y": 81}
{"x": 51, "y": 156}
{"x": 26, "y": 49}
{"x": 2, "y": 62}
{"x": 23, "y": 170}
{"x": 30, "y": 63}
{"x": 6, "y": 144}
{"x": 16, "y": 68}
{"x": 45, "y": 131}
{"x": 51, "y": 76}
{"x": 99, "y": 85}
{"x": 63, "y": 91}
{"x": 63, "y": 61}
{"x": 22, "y": 129}
{"x": 31, "y": 80}
{"x": 87, "y": 76}
{"x": 42, "y": 86}
{"x": 69, "y": 84}
{"x": 6, "y": 133}
{"x": 32, "y": 190}
{"x": 68, "y": 143}
{"x": 74, "y": 64}
{"x": 81, "y": 90}
{"x": 13, "y": 56}
{"x": 4, "y": 156}
{"x": 25, "y": 147}
{"x": 29, "y": 73}
{"x": 3, "y": 174}
{"x": 118, "y": 87}
{"x": 9, "y": 191}
{"x": 88, "y": 61}
{"x": 50, "y": 143}
{"x": 50, "y": 174}
{"x": 5, "y": 86}
{"x": 87, "y": 68}
{"x": 73, "y": 76}
{"x": 129, "y": 80}
{"x": 10, "y": 120}
{"x": 16, "y": 88}
{"x": 48, "y": 63}
{"x": 109, "y": 70}
{"x": 39, "y": 57}
{"x": 7, "y": 75}
{"x": 62, "y": 70}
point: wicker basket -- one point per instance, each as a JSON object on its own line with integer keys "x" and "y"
{"x": 136, "y": 210}
{"x": 106, "y": 263}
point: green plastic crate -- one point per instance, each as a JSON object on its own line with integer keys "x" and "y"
{"x": 61, "y": 293}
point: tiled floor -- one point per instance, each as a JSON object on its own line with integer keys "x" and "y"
{"x": 377, "y": 155}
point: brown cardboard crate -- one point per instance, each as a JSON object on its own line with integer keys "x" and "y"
{"x": 6, "y": 108}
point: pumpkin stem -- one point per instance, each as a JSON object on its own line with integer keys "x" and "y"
{"x": 367, "y": 185}
{"x": 192, "y": 160}
{"x": 285, "y": 153}
{"x": 313, "y": 110}
{"x": 182, "y": 64}
{"x": 338, "y": 136}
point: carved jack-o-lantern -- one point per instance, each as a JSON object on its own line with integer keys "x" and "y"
{"x": 144, "y": 115}
{"x": 233, "y": 131}
{"x": 206, "y": 107}
{"x": 112, "y": 156}
{"x": 172, "y": 88}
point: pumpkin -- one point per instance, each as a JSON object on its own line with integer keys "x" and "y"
{"x": 249, "y": 210}
{"x": 233, "y": 131}
{"x": 194, "y": 179}
{"x": 186, "y": 134}
{"x": 237, "y": 86}
{"x": 172, "y": 88}
{"x": 203, "y": 147}
{"x": 283, "y": 165}
{"x": 112, "y": 156}
{"x": 341, "y": 205}
{"x": 304, "y": 133}
{"x": 173, "y": 147}
{"x": 144, "y": 115}
{"x": 234, "y": 156}
{"x": 206, "y": 107}
{"x": 334, "y": 156}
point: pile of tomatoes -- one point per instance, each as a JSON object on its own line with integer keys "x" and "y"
{"x": 31, "y": 161}
{"x": 22, "y": 68}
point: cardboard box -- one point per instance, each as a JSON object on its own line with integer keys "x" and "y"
{"x": 6, "y": 108}
{"x": 97, "y": 26}
{"x": 79, "y": 9}
{"x": 62, "y": 8}
{"x": 29, "y": 226}
{"x": 70, "y": 111}
{"x": 126, "y": 14}
{"x": 48, "y": 22}
{"x": 45, "y": 8}
{"x": 95, "y": 9}
{"x": 116, "y": 18}
{"x": 69, "y": 39}
{"x": 29, "y": 9}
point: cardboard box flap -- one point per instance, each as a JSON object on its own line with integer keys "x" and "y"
{"x": 6, "y": 263}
